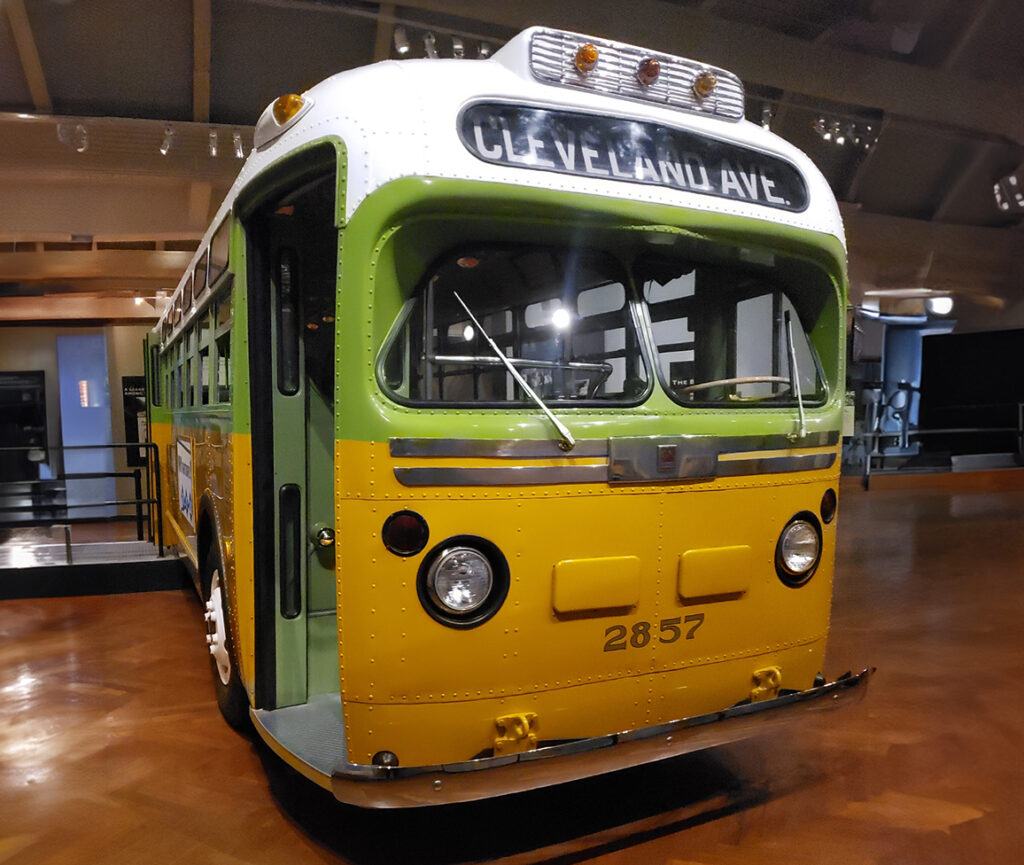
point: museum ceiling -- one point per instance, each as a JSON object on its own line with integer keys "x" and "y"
{"x": 121, "y": 122}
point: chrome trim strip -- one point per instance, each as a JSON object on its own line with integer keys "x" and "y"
{"x": 547, "y": 449}
{"x": 662, "y": 458}
{"x": 494, "y": 448}
{"x": 740, "y": 444}
{"x": 774, "y": 465}
{"x": 633, "y": 459}
{"x": 379, "y": 787}
{"x": 499, "y": 476}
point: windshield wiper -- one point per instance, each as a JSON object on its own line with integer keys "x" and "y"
{"x": 794, "y": 374}
{"x": 567, "y": 442}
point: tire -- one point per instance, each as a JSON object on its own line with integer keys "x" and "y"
{"x": 231, "y": 696}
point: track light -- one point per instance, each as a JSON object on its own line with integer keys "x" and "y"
{"x": 213, "y": 142}
{"x": 484, "y": 51}
{"x": 401, "y": 41}
{"x": 430, "y": 45}
{"x": 236, "y": 139}
{"x": 458, "y": 48}
{"x": 168, "y": 142}
{"x": 76, "y": 137}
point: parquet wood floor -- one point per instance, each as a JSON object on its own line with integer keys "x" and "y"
{"x": 112, "y": 749}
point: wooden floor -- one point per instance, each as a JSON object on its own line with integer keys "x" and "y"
{"x": 112, "y": 750}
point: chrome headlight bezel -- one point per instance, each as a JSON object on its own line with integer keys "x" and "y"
{"x": 807, "y": 525}
{"x": 430, "y": 569}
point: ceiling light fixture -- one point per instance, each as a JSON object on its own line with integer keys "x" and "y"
{"x": 236, "y": 139}
{"x": 168, "y": 142}
{"x": 861, "y": 136}
{"x": 401, "y": 41}
{"x": 430, "y": 45}
{"x": 213, "y": 142}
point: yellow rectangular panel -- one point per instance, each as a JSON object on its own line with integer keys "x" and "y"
{"x": 610, "y": 582}
{"x": 715, "y": 571}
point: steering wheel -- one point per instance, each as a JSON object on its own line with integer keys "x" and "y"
{"x": 746, "y": 379}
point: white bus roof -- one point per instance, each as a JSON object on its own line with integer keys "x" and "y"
{"x": 400, "y": 118}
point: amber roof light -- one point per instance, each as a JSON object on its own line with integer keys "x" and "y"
{"x": 648, "y": 71}
{"x": 704, "y": 84}
{"x": 586, "y": 57}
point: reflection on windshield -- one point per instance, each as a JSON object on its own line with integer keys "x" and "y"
{"x": 721, "y": 337}
{"x": 560, "y": 316}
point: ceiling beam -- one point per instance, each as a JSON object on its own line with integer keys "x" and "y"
{"x": 28, "y": 53}
{"x": 887, "y": 251}
{"x": 979, "y": 15}
{"x": 122, "y": 146}
{"x": 385, "y": 27}
{"x": 202, "y": 23}
{"x": 74, "y": 308}
{"x": 768, "y": 57}
{"x": 53, "y": 266}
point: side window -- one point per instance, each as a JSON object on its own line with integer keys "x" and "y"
{"x": 199, "y": 274}
{"x": 189, "y": 394}
{"x": 204, "y": 357}
{"x": 222, "y": 348}
{"x": 219, "y": 247}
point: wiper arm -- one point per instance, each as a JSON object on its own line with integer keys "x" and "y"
{"x": 794, "y": 374}
{"x": 567, "y": 442}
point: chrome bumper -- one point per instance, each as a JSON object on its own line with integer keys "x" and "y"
{"x": 381, "y": 787}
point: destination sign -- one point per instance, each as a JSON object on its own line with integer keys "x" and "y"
{"x": 635, "y": 151}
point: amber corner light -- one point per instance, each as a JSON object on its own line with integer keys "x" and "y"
{"x": 586, "y": 57}
{"x": 704, "y": 84}
{"x": 286, "y": 107}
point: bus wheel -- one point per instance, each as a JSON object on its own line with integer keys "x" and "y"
{"x": 231, "y": 696}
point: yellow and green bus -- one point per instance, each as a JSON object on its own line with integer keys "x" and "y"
{"x": 501, "y": 413}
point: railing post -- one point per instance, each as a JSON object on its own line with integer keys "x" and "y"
{"x": 138, "y": 502}
{"x": 67, "y": 544}
{"x": 159, "y": 500}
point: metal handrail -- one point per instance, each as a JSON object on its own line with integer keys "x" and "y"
{"x": 874, "y": 436}
{"x": 144, "y": 505}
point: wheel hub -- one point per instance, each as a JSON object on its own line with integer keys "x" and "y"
{"x": 216, "y": 629}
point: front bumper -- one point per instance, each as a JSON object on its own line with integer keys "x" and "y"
{"x": 381, "y": 787}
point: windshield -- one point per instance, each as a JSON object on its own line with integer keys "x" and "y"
{"x": 722, "y": 339}
{"x": 560, "y": 315}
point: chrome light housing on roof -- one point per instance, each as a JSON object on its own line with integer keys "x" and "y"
{"x": 279, "y": 116}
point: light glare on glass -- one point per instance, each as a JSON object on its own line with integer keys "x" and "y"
{"x": 461, "y": 579}
{"x": 800, "y": 547}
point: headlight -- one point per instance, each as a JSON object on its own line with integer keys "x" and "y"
{"x": 799, "y": 550}
{"x": 460, "y": 580}
{"x": 463, "y": 581}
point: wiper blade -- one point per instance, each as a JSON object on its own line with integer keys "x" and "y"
{"x": 567, "y": 442}
{"x": 794, "y": 375}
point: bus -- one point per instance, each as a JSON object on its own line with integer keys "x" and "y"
{"x": 501, "y": 410}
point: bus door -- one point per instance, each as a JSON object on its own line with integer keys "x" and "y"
{"x": 292, "y": 249}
